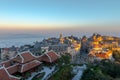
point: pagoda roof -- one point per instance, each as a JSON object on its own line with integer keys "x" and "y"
{"x": 50, "y": 57}
{"x": 30, "y": 65}
{"x": 4, "y": 75}
{"x": 24, "y": 57}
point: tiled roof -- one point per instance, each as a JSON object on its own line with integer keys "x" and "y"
{"x": 97, "y": 46}
{"x": 102, "y": 55}
{"x": 12, "y": 78}
{"x": 6, "y": 63}
{"x": 44, "y": 58}
{"x": 4, "y": 75}
{"x": 13, "y": 69}
{"x": 29, "y": 66}
{"x": 50, "y": 56}
{"x": 105, "y": 55}
{"x": 53, "y": 56}
{"x": 24, "y": 62}
{"x": 24, "y": 57}
{"x": 23, "y": 67}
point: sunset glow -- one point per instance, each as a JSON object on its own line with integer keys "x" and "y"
{"x": 59, "y": 16}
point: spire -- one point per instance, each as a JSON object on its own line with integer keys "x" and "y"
{"x": 60, "y": 36}
{"x": 61, "y": 39}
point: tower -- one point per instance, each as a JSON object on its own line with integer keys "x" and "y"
{"x": 61, "y": 39}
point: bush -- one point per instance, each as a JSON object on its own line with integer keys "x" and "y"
{"x": 116, "y": 55}
{"x": 64, "y": 73}
{"x": 105, "y": 70}
{"x": 94, "y": 73}
{"x": 65, "y": 59}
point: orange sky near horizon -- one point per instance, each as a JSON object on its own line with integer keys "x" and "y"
{"x": 57, "y": 16}
{"x": 53, "y": 29}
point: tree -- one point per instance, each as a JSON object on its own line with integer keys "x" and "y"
{"x": 64, "y": 73}
{"x": 64, "y": 59}
{"x": 94, "y": 73}
{"x": 105, "y": 70}
{"x": 116, "y": 55}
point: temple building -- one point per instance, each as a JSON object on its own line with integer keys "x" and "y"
{"x": 25, "y": 63}
{"x": 21, "y": 64}
{"x": 49, "y": 57}
{"x": 4, "y": 75}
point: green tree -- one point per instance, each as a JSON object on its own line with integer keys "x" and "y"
{"x": 105, "y": 70}
{"x": 65, "y": 59}
{"x": 64, "y": 73}
{"x": 116, "y": 55}
{"x": 94, "y": 73}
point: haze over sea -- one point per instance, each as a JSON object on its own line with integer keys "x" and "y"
{"x": 18, "y": 40}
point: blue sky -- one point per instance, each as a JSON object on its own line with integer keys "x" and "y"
{"x": 58, "y": 13}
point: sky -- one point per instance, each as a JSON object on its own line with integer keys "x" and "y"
{"x": 59, "y": 16}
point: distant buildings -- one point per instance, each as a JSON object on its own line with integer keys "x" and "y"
{"x": 98, "y": 49}
{"x": 68, "y": 44}
{"x": 7, "y": 53}
{"x": 59, "y": 48}
{"x": 101, "y": 54}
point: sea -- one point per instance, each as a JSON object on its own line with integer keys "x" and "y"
{"x": 18, "y": 40}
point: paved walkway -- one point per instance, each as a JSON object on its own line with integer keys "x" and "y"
{"x": 79, "y": 70}
{"x": 47, "y": 71}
